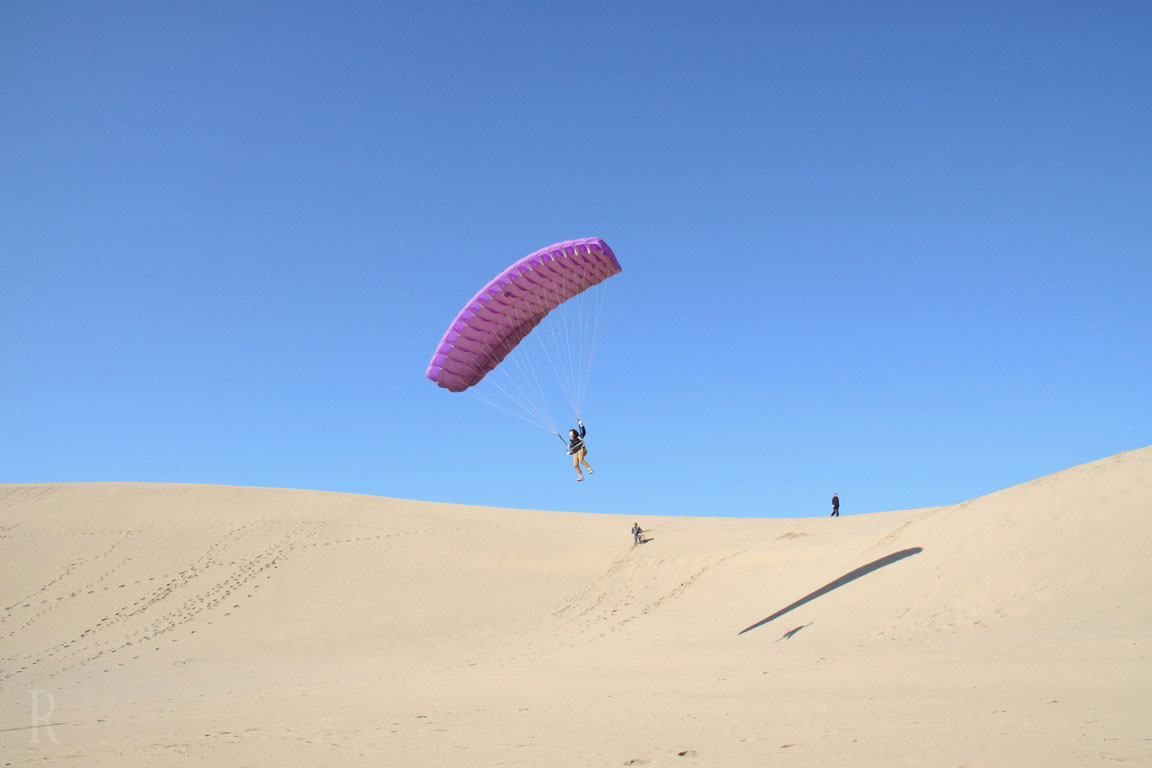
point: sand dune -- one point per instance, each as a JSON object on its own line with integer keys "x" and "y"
{"x": 157, "y": 625}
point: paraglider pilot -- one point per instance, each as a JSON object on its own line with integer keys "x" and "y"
{"x": 577, "y": 450}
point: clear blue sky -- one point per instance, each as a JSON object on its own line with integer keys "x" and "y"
{"x": 902, "y": 251}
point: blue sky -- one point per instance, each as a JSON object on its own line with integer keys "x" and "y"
{"x": 896, "y": 250}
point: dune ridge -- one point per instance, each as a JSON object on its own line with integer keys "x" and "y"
{"x": 184, "y": 624}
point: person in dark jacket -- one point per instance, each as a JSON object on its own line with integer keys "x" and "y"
{"x": 835, "y": 505}
{"x": 577, "y": 450}
{"x": 637, "y": 532}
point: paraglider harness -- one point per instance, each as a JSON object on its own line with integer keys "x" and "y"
{"x": 576, "y": 443}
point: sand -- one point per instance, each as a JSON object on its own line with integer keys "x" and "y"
{"x": 163, "y": 625}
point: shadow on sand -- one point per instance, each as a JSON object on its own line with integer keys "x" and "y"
{"x": 863, "y": 570}
{"x": 790, "y": 633}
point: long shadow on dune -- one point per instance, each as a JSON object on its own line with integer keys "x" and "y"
{"x": 863, "y": 570}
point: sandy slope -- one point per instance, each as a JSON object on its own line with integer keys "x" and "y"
{"x": 173, "y": 624}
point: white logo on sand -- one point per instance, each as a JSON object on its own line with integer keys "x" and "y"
{"x": 41, "y": 720}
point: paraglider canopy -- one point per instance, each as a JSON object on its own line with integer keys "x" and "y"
{"x": 506, "y": 310}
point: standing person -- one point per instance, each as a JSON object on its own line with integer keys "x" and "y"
{"x": 637, "y": 531}
{"x": 577, "y": 450}
{"x": 835, "y": 505}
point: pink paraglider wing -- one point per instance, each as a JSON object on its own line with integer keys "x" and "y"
{"x": 508, "y": 308}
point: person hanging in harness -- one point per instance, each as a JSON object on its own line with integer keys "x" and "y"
{"x": 577, "y": 450}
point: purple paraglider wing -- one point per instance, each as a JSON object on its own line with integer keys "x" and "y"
{"x": 508, "y": 308}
